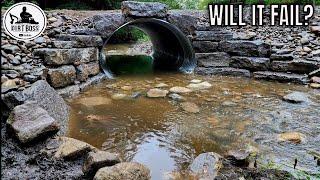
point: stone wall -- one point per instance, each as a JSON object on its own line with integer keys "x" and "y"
{"x": 67, "y": 54}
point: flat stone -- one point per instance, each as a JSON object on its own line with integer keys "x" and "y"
{"x": 82, "y": 40}
{"x": 155, "y": 93}
{"x": 76, "y": 56}
{"x": 238, "y": 157}
{"x": 223, "y": 71}
{"x": 212, "y": 35}
{"x": 29, "y": 122}
{"x": 206, "y": 165}
{"x": 176, "y": 97}
{"x": 315, "y": 85}
{"x": 144, "y": 9}
{"x": 161, "y": 85}
{"x": 190, "y": 107}
{"x": 228, "y": 104}
{"x": 281, "y": 57}
{"x": 62, "y": 76}
{"x": 281, "y": 77}
{"x": 199, "y": 86}
{"x": 255, "y": 48}
{"x": 40, "y": 40}
{"x": 119, "y": 96}
{"x": 296, "y": 97}
{"x": 84, "y": 71}
{"x": 216, "y": 59}
{"x": 106, "y": 23}
{"x": 64, "y": 44}
{"x": 97, "y": 160}
{"x": 295, "y": 137}
{"x": 296, "y": 66}
{"x": 315, "y": 73}
{"x": 179, "y": 90}
{"x": 125, "y": 170}
{"x": 205, "y": 46}
{"x": 72, "y": 148}
{"x": 251, "y": 63}
{"x": 315, "y": 79}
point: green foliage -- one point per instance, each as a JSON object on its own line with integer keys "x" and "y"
{"x": 7, "y": 3}
{"x": 129, "y": 34}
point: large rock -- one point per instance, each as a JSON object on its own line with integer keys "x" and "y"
{"x": 246, "y": 48}
{"x": 29, "y": 122}
{"x": 185, "y": 20}
{"x": 62, "y": 76}
{"x": 86, "y": 70}
{"x": 281, "y": 57}
{"x": 297, "y": 66}
{"x": 179, "y": 90}
{"x": 70, "y": 148}
{"x": 212, "y": 35}
{"x": 144, "y": 9}
{"x": 107, "y": 23}
{"x": 281, "y": 77}
{"x": 205, "y": 46}
{"x": 223, "y": 71}
{"x": 125, "y": 170}
{"x": 45, "y": 97}
{"x": 97, "y": 160}
{"x": 82, "y": 40}
{"x": 199, "y": 86}
{"x": 251, "y": 63}
{"x": 216, "y": 59}
{"x": 206, "y": 165}
{"x": 155, "y": 93}
{"x": 76, "y": 56}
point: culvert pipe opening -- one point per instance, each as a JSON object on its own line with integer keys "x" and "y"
{"x": 171, "y": 49}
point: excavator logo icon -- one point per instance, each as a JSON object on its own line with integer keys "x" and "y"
{"x": 24, "y": 21}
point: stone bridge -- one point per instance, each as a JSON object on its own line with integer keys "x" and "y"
{"x": 68, "y": 53}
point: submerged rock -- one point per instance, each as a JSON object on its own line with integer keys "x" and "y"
{"x": 94, "y": 101}
{"x": 154, "y": 93}
{"x": 71, "y": 148}
{"x": 29, "y": 121}
{"x": 176, "y": 97}
{"x": 119, "y": 96}
{"x": 99, "y": 159}
{"x": 190, "y": 107}
{"x": 125, "y": 170}
{"x": 229, "y": 104}
{"x": 199, "y": 86}
{"x": 296, "y": 97}
{"x": 178, "y": 89}
{"x": 206, "y": 165}
{"x": 295, "y": 137}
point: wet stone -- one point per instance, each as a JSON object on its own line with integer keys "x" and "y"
{"x": 155, "y": 93}
{"x": 71, "y": 148}
{"x": 176, "y": 97}
{"x": 199, "y": 86}
{"x": 180, "y": 90}
{"x": 97, "y": 160}
{"x": 125, "y": 170}
{"x": 296, "y": 97}
{"x": 206, "y": 165}
{"x": 190, "y": 107}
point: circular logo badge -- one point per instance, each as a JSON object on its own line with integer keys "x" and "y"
{"x": 24, "y": 21}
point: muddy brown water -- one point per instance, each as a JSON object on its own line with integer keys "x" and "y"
{"x": 159, "y": 134}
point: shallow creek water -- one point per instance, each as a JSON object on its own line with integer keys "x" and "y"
{"x": 235, "y": 113}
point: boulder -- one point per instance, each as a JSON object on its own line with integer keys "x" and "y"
{"x": 205, "y": 46}
{"x": 296, "y": 97}
{"x": 29, "y": 122}
{"x": 206, "y": 165}
{"x": 180, "y": 90}
{"x": 69, "y": 91}
{"x": 82, "y": 40}
{"x": 281, "y": 77}
{"x": 238, "y": 157}
{"x": 155, "y": 93}
{"x": 97, "y": 160}
{"x": 216, "y": 59}
{"x": 212, "y": 36}
{"x": 106, "y": 24}
{"x": 86, "y": 70}
{"x": 251, "y": 63}
{"x": 76, "y": 56}
{"x": 125, "y": 170}
{"x": 45, "y": 97}
{"x": 256, "y": 48}
{"x": 62, "y": 76}
{"x": 70, "y": 148}
{"x": 190, "y": 107}
{"x": 185, "y": 20}
{"x": 223, "y": 71}
{"x": 144, "y": 9}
